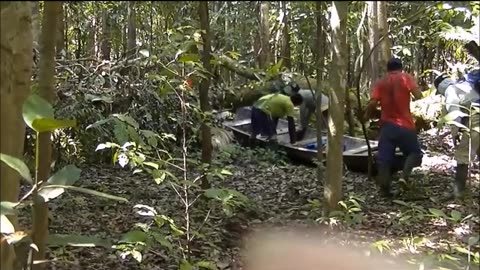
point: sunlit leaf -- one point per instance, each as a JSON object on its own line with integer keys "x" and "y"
{"x": 48, "y": 124}
{"x": 18, "y": 166}
{"x": 106, "y": 145}
{"x": 137, "y": 255}
{"x": 144, "y": 52}
{"x": 58, "y": 240}
{"x": 67, "y": 176}
{"x": 86, "y": 191}
{"x": 151, "y": 164}
{"x": 93, "y": 98}
{"x": 226, "y": 172}
{"x": 7, "y": 208}
{"x": 6, "y": 227}
{"x": 189, "y": 57}
{"x": 159, "y": 176}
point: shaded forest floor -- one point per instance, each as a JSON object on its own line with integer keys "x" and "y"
{"x": 284, "y": 194}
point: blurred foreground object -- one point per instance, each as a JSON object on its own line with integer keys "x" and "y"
{"x": 295, "y": 251}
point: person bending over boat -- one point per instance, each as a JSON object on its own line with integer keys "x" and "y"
{"x": 308, "y": 105}
{"x": 397, "y": 128}
{"x": 268, "y": 109}
{"x": 308, "y": 108}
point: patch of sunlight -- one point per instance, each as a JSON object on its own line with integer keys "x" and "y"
{"x": 462, "y": 229}
{"x": 440, "y": 222}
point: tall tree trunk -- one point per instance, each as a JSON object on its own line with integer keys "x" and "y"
{"x": 46, "y": 83}
{"x": 35, "y": 22}
{"x": 265, "y": 54}
{"x": 132, "y": 29}
{"x": 60, "y": 31}
{"x": 336, "y": 116}
{"x": 372, "y": 39}
{"x": 16, "y": 50}
{"x": 204, "y": 85}
{"x": 286, "y": 49}
{"x": 384, "y": 53}
{"x": 105, "y": 48}
{"x": 320, "y": 66}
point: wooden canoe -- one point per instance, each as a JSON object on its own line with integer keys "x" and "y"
{"x": 355, "y": 155}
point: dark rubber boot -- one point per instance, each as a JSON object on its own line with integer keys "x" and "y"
{"x": 412, "y": 161}
{"x": 384, "y": 180}
{"x": 460, "y": 180}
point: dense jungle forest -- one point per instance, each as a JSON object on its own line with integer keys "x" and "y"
{"x": 116, "y": 150}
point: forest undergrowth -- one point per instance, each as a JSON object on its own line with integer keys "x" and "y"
{"x": 431, "y": 231}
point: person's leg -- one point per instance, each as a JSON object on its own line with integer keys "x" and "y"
{"x": 386, "y": 152}
{"x": 271, "y": 128}
{"x": 464, "y": 153}
{"x": 305, "y": 114}
{"x": 257, "y": 124}
{"x": 408, "y": 143}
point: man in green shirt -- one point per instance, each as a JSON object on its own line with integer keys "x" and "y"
{"x": 268, "y": 109}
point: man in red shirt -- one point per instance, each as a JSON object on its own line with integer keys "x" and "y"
{"x": 397, "y": 128}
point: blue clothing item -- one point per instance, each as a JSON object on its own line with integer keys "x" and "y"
{"x": 393, "y": 136}
{"x": 261, "y": 123}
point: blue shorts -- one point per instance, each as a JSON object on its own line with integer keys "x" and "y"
{"x": 262, "y": 123}
{"x": 393, "y": 136}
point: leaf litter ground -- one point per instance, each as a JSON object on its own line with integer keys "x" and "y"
{"x": 283, "y": 194}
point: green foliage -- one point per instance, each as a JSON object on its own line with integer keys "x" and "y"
{"x": 38, "y": 115}
{"x": 412, "y": 215}
{"x": 351, "y": 212}
{"x": 229, "y": 199}
{"x": 18, "y": 166}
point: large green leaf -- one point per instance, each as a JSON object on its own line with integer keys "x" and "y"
{"x": 6, "y": 227}
{"x": 134, "y": 237}
{"x": 38, "y": 114}
{"x": 84, "y": 190}
{"x": 67, "y": 176}
{"x": 17, "y": 165}
{"x": 162, "y": 240}
{"x": 48, "y": 124}
{"x": 127, "y": 119}
{"x": 7, "y": 208}
{"x": 56, "y": 240}
{"x": 35, "y": 107}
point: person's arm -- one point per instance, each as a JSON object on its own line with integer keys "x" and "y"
{"x": 414, "y": 88}
{"x": 370, "y": 108}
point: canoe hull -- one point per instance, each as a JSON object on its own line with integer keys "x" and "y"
{"x": 355, "y": 155}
